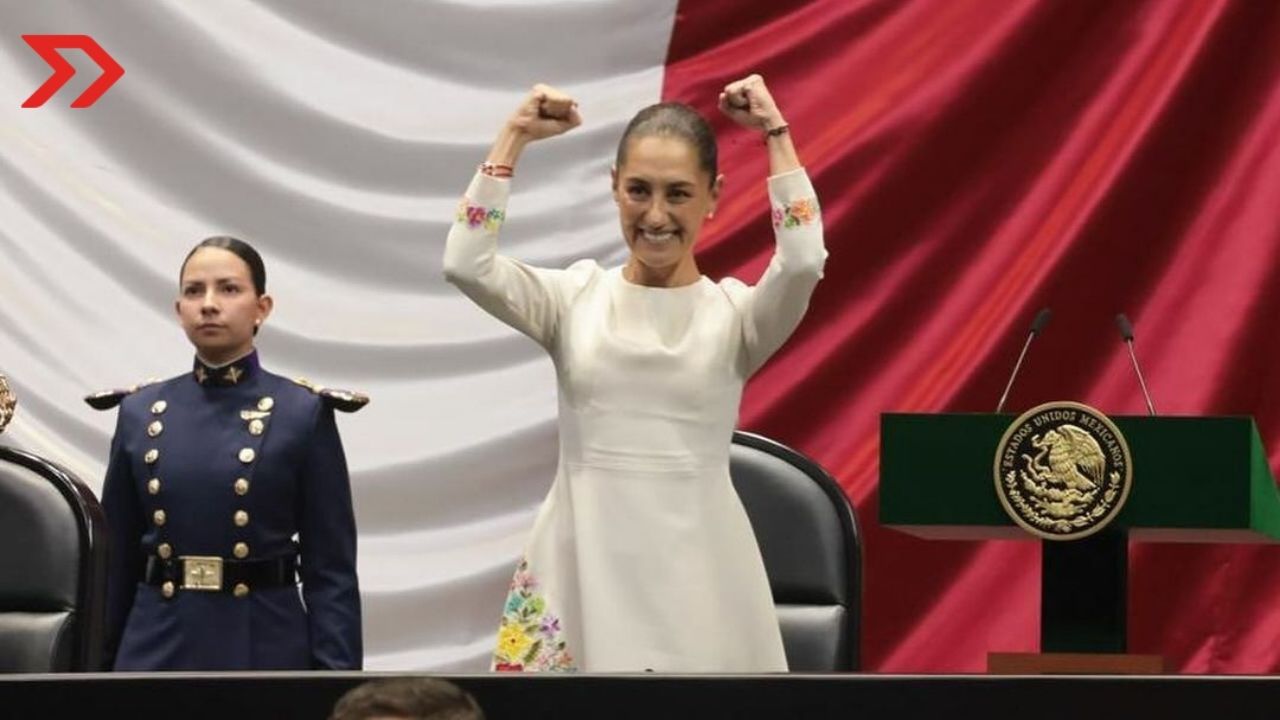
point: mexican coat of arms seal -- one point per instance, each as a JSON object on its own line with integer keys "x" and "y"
{"x": 1063, "y": 471}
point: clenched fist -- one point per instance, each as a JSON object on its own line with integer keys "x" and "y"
{"x": 545, "y": 112}
{"x": 749, "y": 103}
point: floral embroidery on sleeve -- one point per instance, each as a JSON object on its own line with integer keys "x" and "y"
{"x": 529, "y": 637}
{"x": 796, "y": 213}
{"x": 474, "y": 216}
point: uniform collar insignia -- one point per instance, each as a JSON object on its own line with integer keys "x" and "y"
{"x": 229, "y": 375}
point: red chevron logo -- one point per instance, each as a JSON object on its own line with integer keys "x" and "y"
{"x": 47, "y": 47}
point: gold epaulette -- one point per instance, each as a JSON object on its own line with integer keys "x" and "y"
{"x": 344, "y": 400}
{"x": 107, "y": 399}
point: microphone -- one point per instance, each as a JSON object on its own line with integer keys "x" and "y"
{"x": 1042, "y": 319}
{"x": 1126, "y": 331}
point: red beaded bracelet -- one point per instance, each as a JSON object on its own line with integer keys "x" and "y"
{"x": 496, "y": 170}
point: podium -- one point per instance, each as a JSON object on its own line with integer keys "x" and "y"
{"x": 1195, "y": 479}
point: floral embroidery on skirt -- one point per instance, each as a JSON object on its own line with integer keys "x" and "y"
{"x": 529, "y": 637}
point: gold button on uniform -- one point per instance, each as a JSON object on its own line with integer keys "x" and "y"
{"x": 240, "y": 590}
{"x": 164, "y": 550}
{"x": 151, "y": 457}
{"x": 153, "y": 486}
{"x": 266, "y": 404}
{"x": 155, "y": 428}
{"x": 167, "y": 589}
{"x": 241, "y": 551}
{"x": 256, "y": 427}
{"x": 247, "y": 455}
{"x": 241, "y": 486}
{"x": 241, "y": 518}
{"x": 158, "y": 407}
{"x": 159, "y": 517}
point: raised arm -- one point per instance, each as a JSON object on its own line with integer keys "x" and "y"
{"x": 545, "y": 112}
{"x": 748, "y": 103}
{"x": 522, "y": 296}
{"x": 776, "y": 305}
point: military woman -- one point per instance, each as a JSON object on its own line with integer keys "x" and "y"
{"x": 226, "y": 486}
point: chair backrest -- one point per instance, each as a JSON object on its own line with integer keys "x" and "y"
{"x": 52, "y": 568}
{"x": 808, "y": 535}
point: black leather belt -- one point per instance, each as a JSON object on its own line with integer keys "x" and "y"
{"x": 215, "y": 574}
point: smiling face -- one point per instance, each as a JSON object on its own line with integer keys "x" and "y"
{"x": 663, "y": 197}
{"x": 218, "y": 306}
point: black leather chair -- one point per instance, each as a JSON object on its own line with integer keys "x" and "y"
{"x": 808, "y": 535}
{"x": 52, "y": 568}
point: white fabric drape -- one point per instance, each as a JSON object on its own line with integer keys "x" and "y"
{"x": 337, "y": 137}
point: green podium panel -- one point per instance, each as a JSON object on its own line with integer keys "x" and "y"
{"x": 1195, "y": 479}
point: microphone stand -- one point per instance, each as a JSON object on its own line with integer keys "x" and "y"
{"x": 1037, "y": 325}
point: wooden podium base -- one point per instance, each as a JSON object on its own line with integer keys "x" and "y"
{"x": 1073, "y": 664}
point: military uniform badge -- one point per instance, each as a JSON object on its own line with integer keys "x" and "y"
{"x": 344, "y": 400}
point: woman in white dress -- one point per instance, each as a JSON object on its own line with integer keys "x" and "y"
{"x": 641, "y": 557}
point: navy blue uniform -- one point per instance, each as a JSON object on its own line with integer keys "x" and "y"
{"x": 214, "y": 474}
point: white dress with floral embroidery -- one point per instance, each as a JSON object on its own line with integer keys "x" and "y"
{"x": 641, "y": 556}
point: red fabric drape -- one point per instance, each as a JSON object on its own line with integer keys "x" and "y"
{"x": 977, "y": 160}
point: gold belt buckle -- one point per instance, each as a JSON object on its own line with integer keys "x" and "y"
{"x": 201, "y": 573}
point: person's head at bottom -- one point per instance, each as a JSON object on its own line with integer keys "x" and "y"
{"x": 407, "y": 699}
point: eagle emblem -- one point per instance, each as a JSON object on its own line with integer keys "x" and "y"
{"x": 1063, "y": 471}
